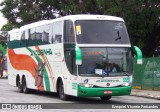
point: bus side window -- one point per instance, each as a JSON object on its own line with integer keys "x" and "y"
{"x": 39, "y": 31}
{"x": 32, "y": 34}
{"x": 26, "y": 34}
{"x": 69, "y": 32}
{"x": 22, "y": 38}
{"x": 45, "y": 34}
{"x": 51, "y": 33}
{"x": 58, "y": 38}
{"x": 8, "y": 38}
{"x": 23, "y": 35}
{"x": 57, "y": 32}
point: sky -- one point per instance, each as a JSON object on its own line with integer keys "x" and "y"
{"x": 2, "y": 19}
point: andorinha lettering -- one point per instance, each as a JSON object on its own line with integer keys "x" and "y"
{"x": 42, "y": 51}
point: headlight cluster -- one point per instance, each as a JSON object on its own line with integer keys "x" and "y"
{"x": 86, "y": 85}
{"x": 126, "y": 84}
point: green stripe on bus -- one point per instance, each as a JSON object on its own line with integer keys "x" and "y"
{"x": 49, "y": 64}
{"x": 100, "y": 92}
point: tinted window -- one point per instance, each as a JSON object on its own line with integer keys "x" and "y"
{"x": 23, "y": 35}
{"x": 45, "y": 33}
{"x": 57, "y": 32}
{"x": 101, "y": 32}
{"x": 32, "y": 34}
{"x": 39, "y": 31}
{"x": 68, "y": 32}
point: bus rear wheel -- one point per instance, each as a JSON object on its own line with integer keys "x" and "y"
{"x": 19, "y": 85}
{"x": 24, "y": 86}
{"x": 62, "y": 96}
{"x": 106, "y": 98}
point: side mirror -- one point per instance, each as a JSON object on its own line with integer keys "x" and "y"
{"x": 78, "y": 56}
{"x": 138, "y": 53}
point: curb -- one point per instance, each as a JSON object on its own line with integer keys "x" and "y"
{"x": 146, "y": 96}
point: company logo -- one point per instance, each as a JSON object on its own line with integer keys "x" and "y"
{"x": 57, "y": 53}
{"x": 104, "y": 72}
{"x": 86, "y": 81}
{"x": 42, "y": 51}
{"x": 108, "y": 84}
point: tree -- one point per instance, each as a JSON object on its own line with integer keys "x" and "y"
{"x": 142, "y": 17}
{"x": 8, "y": 26}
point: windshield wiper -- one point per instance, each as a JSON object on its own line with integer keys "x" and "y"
{"x": 119, "y": 37}
{"x": 126, "y": 74}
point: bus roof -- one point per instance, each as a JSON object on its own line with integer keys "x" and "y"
{"x": 73, "y": 18}
{"x": 35, "y": 24}
{"x": 13, "y": 30}
{"x": 91, "y": 17}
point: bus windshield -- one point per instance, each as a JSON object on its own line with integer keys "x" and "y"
{"x": 101, "y": 32}
{"x": 105, "y": 62}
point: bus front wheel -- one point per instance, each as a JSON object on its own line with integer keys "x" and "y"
{"x": 106, "y": 98}
{"x": 61, "y": 91}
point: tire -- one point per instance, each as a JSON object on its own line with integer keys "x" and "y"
{"x": 19, "y": 85}
{"x": 106, "y": 98}
{"x": 24, "y": 86}
{"x": 61, "y": 94}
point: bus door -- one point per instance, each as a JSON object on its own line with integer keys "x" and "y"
{"x": 72, "y": 68}
{"x": 69, "y": 51}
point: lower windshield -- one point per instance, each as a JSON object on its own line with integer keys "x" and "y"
{"x": 105, "y": 62}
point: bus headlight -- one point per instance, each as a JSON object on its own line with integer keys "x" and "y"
{"x": 126, "y": 84}
{"x": 86, "y": 85}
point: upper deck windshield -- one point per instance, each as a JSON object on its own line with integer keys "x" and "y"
{"x": 101, "y": 32}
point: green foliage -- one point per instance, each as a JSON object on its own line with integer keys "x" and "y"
{"x": 8, "y": 27}
{"x": 142, "y": 17}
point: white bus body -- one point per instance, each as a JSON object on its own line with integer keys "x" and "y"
{"x": 56, "y": 56}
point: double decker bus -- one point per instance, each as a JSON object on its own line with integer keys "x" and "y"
{"x": 76, "y": 55}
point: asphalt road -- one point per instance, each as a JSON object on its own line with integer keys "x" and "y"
{"x": 9, "y": 94}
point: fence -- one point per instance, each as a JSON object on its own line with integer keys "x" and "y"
{"x": 147, "y": 75}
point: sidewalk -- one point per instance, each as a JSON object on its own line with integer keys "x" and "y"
{"x": 146, "y": 93}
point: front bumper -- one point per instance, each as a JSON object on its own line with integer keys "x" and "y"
{"x": 99, "y": 92}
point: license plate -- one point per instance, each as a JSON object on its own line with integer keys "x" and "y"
{"x": 107, "y": 92}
